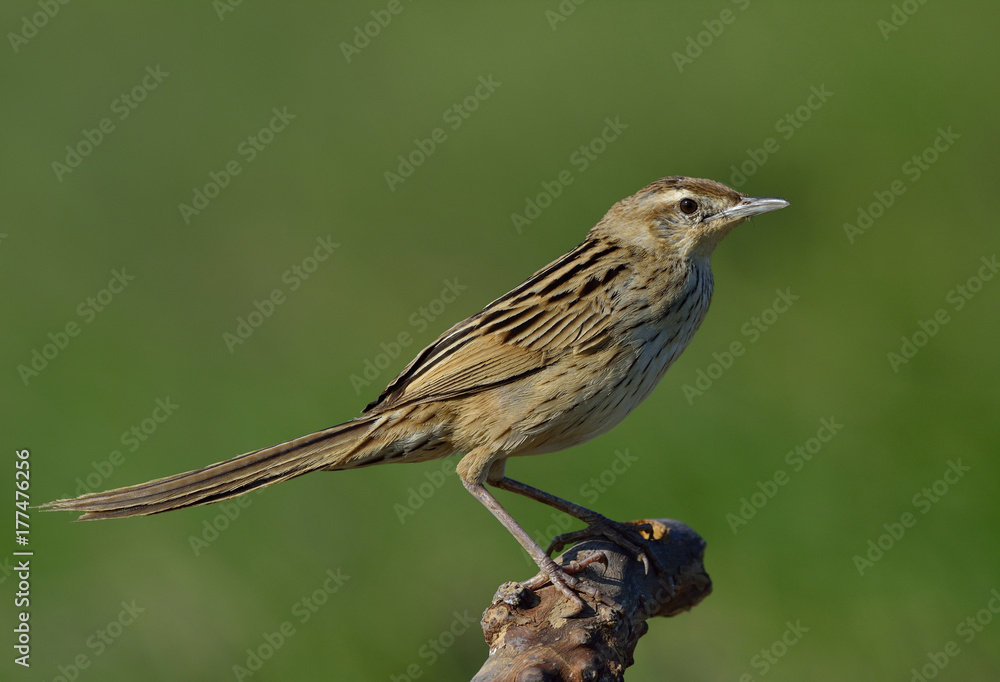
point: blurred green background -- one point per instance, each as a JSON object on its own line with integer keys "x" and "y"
{"x": 709, "y": 89}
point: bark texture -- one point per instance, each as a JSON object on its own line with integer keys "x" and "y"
{"x": 534, "y": 638}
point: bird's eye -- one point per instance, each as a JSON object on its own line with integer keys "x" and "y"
{"x": 688, "y": 206}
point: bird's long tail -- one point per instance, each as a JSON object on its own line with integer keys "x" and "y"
{"x": 343, "y": 446}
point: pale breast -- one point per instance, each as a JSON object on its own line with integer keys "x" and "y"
{"x": 597, "y": 392}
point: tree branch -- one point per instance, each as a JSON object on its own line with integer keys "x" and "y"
{"x": 534, "y": 638}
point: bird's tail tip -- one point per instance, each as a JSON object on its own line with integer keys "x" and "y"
{"x": 219, "y": 481}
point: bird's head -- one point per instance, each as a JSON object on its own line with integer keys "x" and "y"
{"x": 686, "y": 217}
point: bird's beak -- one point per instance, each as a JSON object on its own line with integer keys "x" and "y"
{"x": 750, "y": 207}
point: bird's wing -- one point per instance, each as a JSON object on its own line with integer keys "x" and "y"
{"x": 563, "y": 308}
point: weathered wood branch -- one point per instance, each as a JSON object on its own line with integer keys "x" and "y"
{"x": 531, "y": 639}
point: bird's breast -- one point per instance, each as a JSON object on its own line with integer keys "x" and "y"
{"x": 592, "y": 394}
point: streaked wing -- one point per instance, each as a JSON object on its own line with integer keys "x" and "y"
{"x": 562, "y": 308}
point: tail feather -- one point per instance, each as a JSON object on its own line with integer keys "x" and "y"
{"x": 321, "y": 450}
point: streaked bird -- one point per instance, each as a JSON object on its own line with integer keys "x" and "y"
{"x": 555, "y": 362}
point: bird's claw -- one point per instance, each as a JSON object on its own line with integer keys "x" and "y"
{"x": 618, "y": 532}
{"x": 565, "y": 580}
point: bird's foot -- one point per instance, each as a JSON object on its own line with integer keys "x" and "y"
{"x": 635, "y": 536}
{"x": 563, "y": 578}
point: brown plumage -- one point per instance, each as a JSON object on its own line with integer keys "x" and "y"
{"x": 561, "y": 359}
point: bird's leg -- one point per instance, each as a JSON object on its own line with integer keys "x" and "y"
{"x": 571, "y": 568}
{"x": 596, "y": 524}
{"x": 557, "y": 575}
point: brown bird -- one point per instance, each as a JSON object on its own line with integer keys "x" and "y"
{"x": 561, "y": 359}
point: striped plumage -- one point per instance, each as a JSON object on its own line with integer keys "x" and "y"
{"x": 560, "y": 359}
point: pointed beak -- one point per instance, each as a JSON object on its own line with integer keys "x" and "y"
{"x": 750, "y": 207}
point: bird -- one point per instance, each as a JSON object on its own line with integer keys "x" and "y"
{"x": 559, "y": 360}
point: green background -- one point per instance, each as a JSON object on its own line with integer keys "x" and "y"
{"x": 323, "y": 176}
